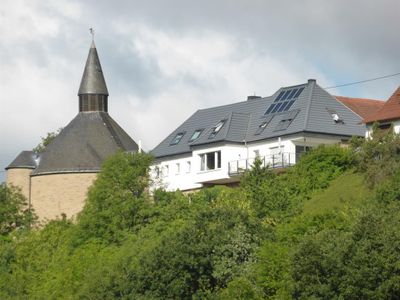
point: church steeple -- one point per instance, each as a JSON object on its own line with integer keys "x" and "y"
{"x": 93, "y": 93}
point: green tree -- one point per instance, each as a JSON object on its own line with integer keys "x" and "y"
{"x": 360, "y": 262}
{"x": 15, "y": 212}
{"x": 46, "y": 141}
{"x": 378, "y": 157}
{"x": 117, "y": 201}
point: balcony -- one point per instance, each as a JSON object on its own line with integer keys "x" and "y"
{"x": 275, "y": 161}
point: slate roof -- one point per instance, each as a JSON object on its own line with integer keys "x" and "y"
{"x": 93, "y": 79}
{"x": 24, "y": 160}
{"x": 389, "y": 111}
{"x": 84, "y": 144}
{"x": 365, "y": 108}
{"x": 311, "y": 112}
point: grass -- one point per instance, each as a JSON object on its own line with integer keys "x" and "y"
{"x": 348, "y": 190}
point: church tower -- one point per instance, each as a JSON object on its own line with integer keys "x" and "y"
{"x": 93, "y": 93}
{"x": 61, "y": 175}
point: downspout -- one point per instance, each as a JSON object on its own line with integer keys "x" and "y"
{"x": 29, "y": 199}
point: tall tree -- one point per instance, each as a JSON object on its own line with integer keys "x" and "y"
{"x": 15, "y": 212}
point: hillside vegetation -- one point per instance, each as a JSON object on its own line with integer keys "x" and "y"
{"x": 325, "y": 229}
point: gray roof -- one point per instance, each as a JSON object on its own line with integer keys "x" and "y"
{"x": 311, "y": 112}
{"x": 93, "y": 79}
{"x": 24, "y": 160}
{"x": 84, "y": 144}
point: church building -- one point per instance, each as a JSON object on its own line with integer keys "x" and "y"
{"x": 56, "y": 181}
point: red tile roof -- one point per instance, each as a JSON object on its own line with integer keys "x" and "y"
{"x": 389, "y": 111}
{"x": 365, "y": 108}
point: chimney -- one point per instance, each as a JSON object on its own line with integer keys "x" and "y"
{"x": 253, "y": 97}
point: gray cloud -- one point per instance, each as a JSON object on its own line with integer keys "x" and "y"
{"x": 169, "y": 58}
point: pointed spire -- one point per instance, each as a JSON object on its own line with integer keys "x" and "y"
{"x": 93, "y": 93}
{"x": 93, "y": 80}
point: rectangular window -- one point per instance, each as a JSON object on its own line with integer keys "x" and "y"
{"x": 188, "y": 166}
{"x": 166, "y": 170}
{"x": 210, "y": 161}
{"x": 195, "y": 135}
{"x": 177, "y": 138}
{"x": 178, "y": 168}
{"x": 216, "y": 129}
{"x": 301, "y": 149}
{"x": 277, "y": 156}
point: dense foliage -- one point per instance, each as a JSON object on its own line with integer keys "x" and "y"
{"x": 14, "y": 211}
{"x": 316, "y": 231}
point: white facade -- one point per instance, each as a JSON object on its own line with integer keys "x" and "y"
{"x": 223, "y": 164}
{"x": 395, "y": 124}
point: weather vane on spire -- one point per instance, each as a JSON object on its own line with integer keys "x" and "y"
{"x": 92, "y": 32}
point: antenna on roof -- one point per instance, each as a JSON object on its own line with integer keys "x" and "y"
{"x": 91, "y": 30}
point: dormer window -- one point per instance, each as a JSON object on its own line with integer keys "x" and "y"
{"x": 264, "y": 124}
{"x": 195, "y": 135}
{"x": 216, "y": 129}
{"x": 177, "y": 138}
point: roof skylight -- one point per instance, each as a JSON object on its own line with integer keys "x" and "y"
{"x": 216, "y": 129}
{"x": 195, "y": 135}
{"x": 264, "y": 124}
{"x": 286, "y": 120}
{"x": 177, "y": 138}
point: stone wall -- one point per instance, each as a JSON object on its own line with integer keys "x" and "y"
{"x": 56, "y": 194}
{"x": 19, "y": 177}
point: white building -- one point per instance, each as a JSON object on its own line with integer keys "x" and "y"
{"x": 215, "y": 145}
{"x": 388, "y": 116}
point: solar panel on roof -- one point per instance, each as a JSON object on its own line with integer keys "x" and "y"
{"x": 292, "y": 94}
{"x": 269, "y": 109}
{"x": 299, "y": 92}
{"x": 276, "y": 107}
{"x": 283, "y": 106}
{"x": 286, "y": 95}
{"x": 279, "y": 96}
{"x": 284, "y": 101}
{"x": 289, "y": 105}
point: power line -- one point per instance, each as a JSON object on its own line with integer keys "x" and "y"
{"x": 362, "y": 81}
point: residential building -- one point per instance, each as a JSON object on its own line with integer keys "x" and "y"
{"x": 388, "y": 116}
{"x": 215, "y": 145}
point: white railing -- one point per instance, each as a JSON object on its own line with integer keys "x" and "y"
{"x": 281, "y": 160}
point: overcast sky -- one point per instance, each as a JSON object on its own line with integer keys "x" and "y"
{"x": 163, "y": 60}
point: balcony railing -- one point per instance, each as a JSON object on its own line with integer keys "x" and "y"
{"x": 281, "y": 160}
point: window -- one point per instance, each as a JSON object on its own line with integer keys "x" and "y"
{"x": 177, "y": 138}
{"x": 301, "y": 149}
{"x": 188, "y": 166}
{"x": 264, "y": 124}
{"x": 210, "y": 161}
{"x": 256, "y": 153}
{"x": 178, "y": 168}
{"x": 195, "y": 135}
{"x": 216, "y": 129}
{"x": 286, "y": 120}
{"x": 277, "y": 156}
{"x": 166, "y": 170}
